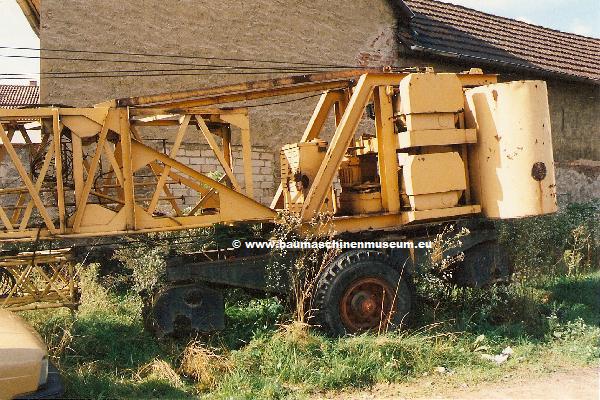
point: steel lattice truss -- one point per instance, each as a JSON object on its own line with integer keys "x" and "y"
{"x": 38, "y": 280}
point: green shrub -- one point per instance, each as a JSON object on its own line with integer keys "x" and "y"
{"x": 144, "y": 259}
{"x": 300, "y": 269}
{"x": 567, "y": 242}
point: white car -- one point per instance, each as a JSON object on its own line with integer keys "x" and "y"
{"x": 25, "y": 372}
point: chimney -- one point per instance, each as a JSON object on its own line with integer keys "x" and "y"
{"x": 33, "y": 83}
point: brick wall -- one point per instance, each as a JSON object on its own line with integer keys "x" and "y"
{"x": 10, "y": 180}
{"x": 197, "y": 156}
{"x": 201, "y": 158}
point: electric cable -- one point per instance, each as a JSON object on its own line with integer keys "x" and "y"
{"x": 133, "y": 71}
{"x": 177, "y": 56}
{"x": 148, "y": 62}
{"x": 166, "y": 74}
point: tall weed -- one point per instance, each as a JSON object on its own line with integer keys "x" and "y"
{"x": 300, "y": 269}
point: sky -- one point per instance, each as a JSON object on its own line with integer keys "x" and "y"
{"x": 576, "y": 16}
{"x": 16, "y": 32}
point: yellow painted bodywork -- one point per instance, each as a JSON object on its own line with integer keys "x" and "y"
{"x": 513, "y": 124}
{"x": 431, "y": 93}
{"x": 21, "y": 354}
{"x": 361, "y": 203}
{"x": 433, "y": 181}
{"x": 299, "y": 166}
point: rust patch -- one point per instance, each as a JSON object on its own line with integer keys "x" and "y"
{"x": 539, "y": 171}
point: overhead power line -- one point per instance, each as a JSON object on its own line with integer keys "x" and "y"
{"x": 176, "y": 56}
{"x": 191, "y": 68}
{"x": 166, "y": 73}
{"x": 143, "y": 71}
{"x": 122, "y": 61}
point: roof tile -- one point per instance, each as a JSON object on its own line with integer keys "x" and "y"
{"x": 12, "y": 96}
{"x": 449, "y": 30}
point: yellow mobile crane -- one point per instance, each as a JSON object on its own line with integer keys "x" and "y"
{"x": 443, "y": 146}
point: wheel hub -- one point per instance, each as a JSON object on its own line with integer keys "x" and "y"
{"x": 363, "y": 303}
{"x": 367, "y": 304}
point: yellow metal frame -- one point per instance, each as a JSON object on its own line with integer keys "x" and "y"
{"x": 99, "y": 191}
{"x": 42, "y": 280}
{"x": 107, "y": 154}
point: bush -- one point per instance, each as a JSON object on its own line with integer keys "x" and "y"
{"x": 144, "y": 259}
{"x": 548, "y": 252}
{"x": 300, "y": 269}
{"x": 552, "y": 245}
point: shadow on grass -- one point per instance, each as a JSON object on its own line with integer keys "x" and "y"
{"x": 99, "y": 386}
{"x": 577, "y": 297}
{"x": 114, "y": 343}
{"x": 107, "y": 346}
{"x": 245, "y": 322}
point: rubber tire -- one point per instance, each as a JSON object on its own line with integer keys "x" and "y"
{"x": 485, "y": 264}
{"x": 345, "y": 270}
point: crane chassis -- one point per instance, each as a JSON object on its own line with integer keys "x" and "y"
{"x": 93, "y": 174}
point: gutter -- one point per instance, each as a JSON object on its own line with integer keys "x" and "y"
{"x": 450, "y": 54}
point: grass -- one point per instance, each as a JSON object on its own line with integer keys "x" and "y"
{"x": 578, "y": 298}
{"x": 104, "y": 352}
{"x": 102, "y": 349}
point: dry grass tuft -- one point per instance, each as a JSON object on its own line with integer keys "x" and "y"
{"x": 160, "y": 370}
{"x": 203, "y": 365}
{"x": 295, "y": 328}
{"x": 297, "y": 333}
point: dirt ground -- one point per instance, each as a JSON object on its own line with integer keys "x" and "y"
{"x": 577, "y": 384}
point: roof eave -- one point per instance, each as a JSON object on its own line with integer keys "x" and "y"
{"x": 404, "y": 9}
{"x": 31, "y": 9}
{"x": 530, "y": 68}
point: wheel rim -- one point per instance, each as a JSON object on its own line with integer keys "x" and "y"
{"x": 367, "y": 304}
